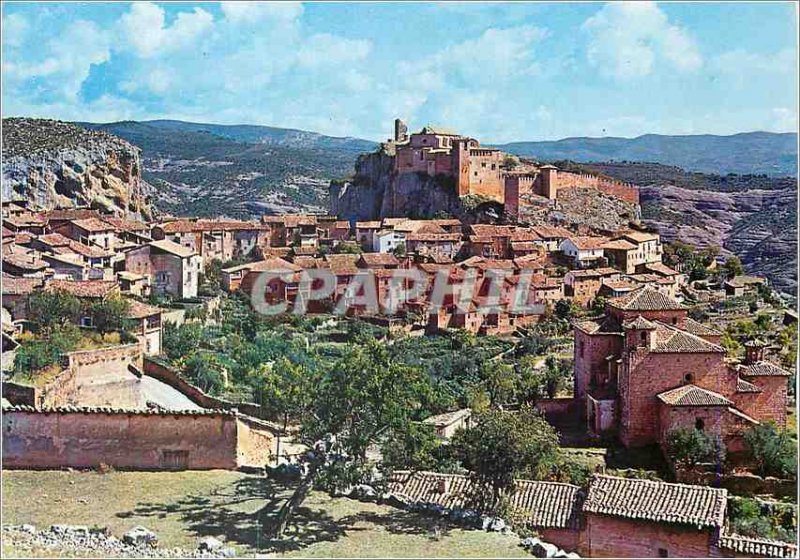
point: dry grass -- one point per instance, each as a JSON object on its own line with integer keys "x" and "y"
{"x": 182, "y": 507}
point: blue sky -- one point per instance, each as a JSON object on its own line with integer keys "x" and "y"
{"x": 498, "y": 71}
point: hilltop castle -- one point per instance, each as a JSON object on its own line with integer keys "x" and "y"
{"x": 486, "y": 171}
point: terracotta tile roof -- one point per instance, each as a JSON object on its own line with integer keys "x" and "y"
{"x": 750, "y": 546}
{"x": 139, "y": 310}
{"x": 639, "y": 323}
{"x": 443, "y": 237}
{"x": 763, "y": 369}
{"x": 342, "y": 264}
{"x": 379, "y": 259}
{"x": 392, "y": 222}
{"x": 431, "y": 228}
{"x": 548, "y": 504}
{"x": 661, "y": 269}
{"x": 15, "y": 286}
{"x": 645, "y": 299}
{"x": 649, "y": 500}
{"x": 67, "y": 214}
{"x": 186, "y": 226}
{"x": 524, "y": 246}
{"x": 639, "y": 236}
{"x": 304, "y": 251}
{"x": 529, "y": 262}
{"x": 588, "y": 243}
{"x": 699, "y": 329}
{"x": 306, "y": 262}
{"x": 24, "y": 261}
{"x": 265, "y": 265}
{"x": 112, "y": 410}
{"x": 670, "y": 339}
{"x": 83, "y": 288}
{"x": 25, "y": 220}
{"x": 276, "y": 251}
{"x": 620, "y": 285}
{"x": 525, "y": 234}
{"x": 620, "y": 245}
{"x": 174, "y": 248}
{"x": 64, "y": 258}
{"x": 488, "y": 230}
{"x": 126, "y": 224}
{"x": 93, "y": 225}
{"x": 54, "y": 239}
{"x": 368, "y": 225}
{"x": 743, "y": 386}
{"x": 593, "y": 273}
{"x": 692, "y": 395}
{"x": 88, "y": 250}
{"x": 291, "y": 220}
{"x": 7, "y": 232}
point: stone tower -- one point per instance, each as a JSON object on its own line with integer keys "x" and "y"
{"x": 400, "y": 131}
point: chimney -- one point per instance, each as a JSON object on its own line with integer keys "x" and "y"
{"x": 754, "y": 351}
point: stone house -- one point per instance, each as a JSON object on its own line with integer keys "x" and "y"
{"x": 583, "y": 251}
{"x": 133, "y": 284}
{"x": 448, "y": 423}
{"x": 146, "y": 326}
{"x": 15, "y": 292}
{"x": 173, "y": 269}
{"x": 222, "y": 240}
{"x": 621, "y": 254}
{"x": 645, "y": 368}
{"x": 292, "y": 229}
{"x": 90, "y": 231}
{"x": 438, "y": 245}
{"x": 365, "y": 234}
{"x": 648, "y": 247}
{"x": 583, "y": 286}
{"x": 742, "y": 285}
{"x": 25, "y": 264}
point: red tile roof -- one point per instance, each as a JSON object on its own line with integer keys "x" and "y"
{"x": 545, "y": 504}
{"x": 645, "y": 299}
{"x": 379, "y": 259}
{"x": 83, "y": 288}
{"x": 757, "y": 547}
{"x": 670, "y": 339}
{"x": 763, "y": 369}
{"x": 588, "y": 243}
{"x": 24, "y": 261}
{"x": 700, "y": 506}
{"x": 93, "y": 225}
{"x": 139, "y": 310}
{"x": 692, "y": 395}
{"x": 15, "y": 286}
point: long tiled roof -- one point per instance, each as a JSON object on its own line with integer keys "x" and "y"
{"x": 379, "y": 259}
{"x": 766, "y": 548}
{"x": 692, "y": 395}
{"x": 762, "y": 369}
{"x": 15, "y": 286}
{"x": 139, "y": 310}
{"x": 699, "y": 329}
{"x": 743, "y": 386}
{"x": 673, "y": 340}
{"x": 649, "y": 500}
{"x": 171, "y": 247}
{"x": 93, "y": 225}
{"x": 587, "y": 243}
{"x": 639, "y": 323}
{"x": 549, "y": 504}
{"x": 114, "y": 410}
{"x": 83, "y": 288}
{"x": 645, "y": 299}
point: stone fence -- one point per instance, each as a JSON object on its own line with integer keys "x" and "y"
{"x": 165, "y": 373}
{"x": 746, "y": 484}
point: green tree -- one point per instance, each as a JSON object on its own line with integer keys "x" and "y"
{"x": 204, "y": 370}
{"x": 365, "y": 399}
{"x": 555, "y": 375}
{"x": 400, "y": 250}
{"x": 772, "y": 450}
{"x": 180, "y": 341}
{"x": 110, "y": 314}
{"x": 732, "y": 267}
{"x": 688, "y": 447}
{"x": 502, "y": 446}
{"x": 531, "y": 380}
{"x": 286, "y": 390}
{"x": 498, "y": 381}
{"x": 565, "y": 309}
{"x": 48, "y": 309}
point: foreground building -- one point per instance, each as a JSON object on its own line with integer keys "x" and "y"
{"x": 645, "y": 368}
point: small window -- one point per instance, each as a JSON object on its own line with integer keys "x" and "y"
{"x": 87, "y": 322}
{"x": 663, "y": 553}
{"x": 699, "y": 424}
{"x": 476, "y": 173}
{"x": 483, "y": 164}
{"x": 644, "y": 336}
{"x": 674, "y": 320}
{"x": 689, "y": 378}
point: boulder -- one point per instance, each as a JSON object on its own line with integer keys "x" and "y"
{"x": 227, "y": 552}
{"x": 209, "y": 544}
{"x": 544, "y": 550}
{"x": 529, "y": 542}
{"x": 364, "y": 492}
{"x": 140, "y": 536}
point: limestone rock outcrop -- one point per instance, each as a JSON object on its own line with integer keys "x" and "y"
{"x": 53, "y": 164}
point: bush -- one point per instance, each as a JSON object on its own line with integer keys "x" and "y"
{"x": 688, "y": 447}
{"x": 772, "y": 450}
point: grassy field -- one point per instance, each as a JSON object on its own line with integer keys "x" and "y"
{"x": 182, "y": 507}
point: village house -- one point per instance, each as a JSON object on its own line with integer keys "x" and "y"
{"x": 551, "y": 236}
{"x": 146, "y": 326}
{"x": 648, "y": 247}
{"x": 388, "y": 240}
{"x": 222, "y": 240}
{"x": 583, "y": 286}
{"x": 16, "y": 291}
{"x": 646, "y": 368}
{"x": 233, "y": 278}
{"x": 173, "y": 269}
{"x": 584, "y": 251}
{"x": 446, "y": 424}
{"x": 365, "y": 234}
{"x": 89, "y": 231}
{"x": 133, "y": 284}
{"x": 441, "y": 246}
{"x": 742, "y": 285}
{"x": 26, "y": 264}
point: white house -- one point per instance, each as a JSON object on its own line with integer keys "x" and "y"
{"x": 584, "y": 251}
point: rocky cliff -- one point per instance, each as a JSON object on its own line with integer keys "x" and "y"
{"x": 54, "y": 164}
{"x": 376, "y": 192}
{"x": 758, "y": 225}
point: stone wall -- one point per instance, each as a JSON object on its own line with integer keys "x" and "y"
{"x": 85, "y": 438}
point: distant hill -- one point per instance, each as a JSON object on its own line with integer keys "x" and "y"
{"x": 749, "y": 152}
{"x": 237, "y": 170}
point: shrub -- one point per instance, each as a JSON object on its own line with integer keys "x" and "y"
{"x": 772, "y": 450}
{"x": 688, "y": 447}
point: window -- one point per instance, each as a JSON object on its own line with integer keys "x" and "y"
{"x": 674, "y": 320}
{"x": 87, "y": 322}
{"x": 175, "y": 459}
{"x": 476, "y": 173}
{"x": 689, "y": 378}
{"x": 483, "y": 164}
{"x": 699, "y": 424}
{"x": 494, "y": 166}
{"x": 644, "y": 336}
{"x": 162, "y": 277}
{"x": 663, "y": 553}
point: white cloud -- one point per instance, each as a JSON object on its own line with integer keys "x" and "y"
{"x": 742, "y": 66}
{"x": 145, "y": 29}
{"x": 250, "y": 13}
{"x": 15, "y": 28}
{"x": 324, "y": 49}
{"x": 626, "y": 40}
{"x": 783, "y": 119}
